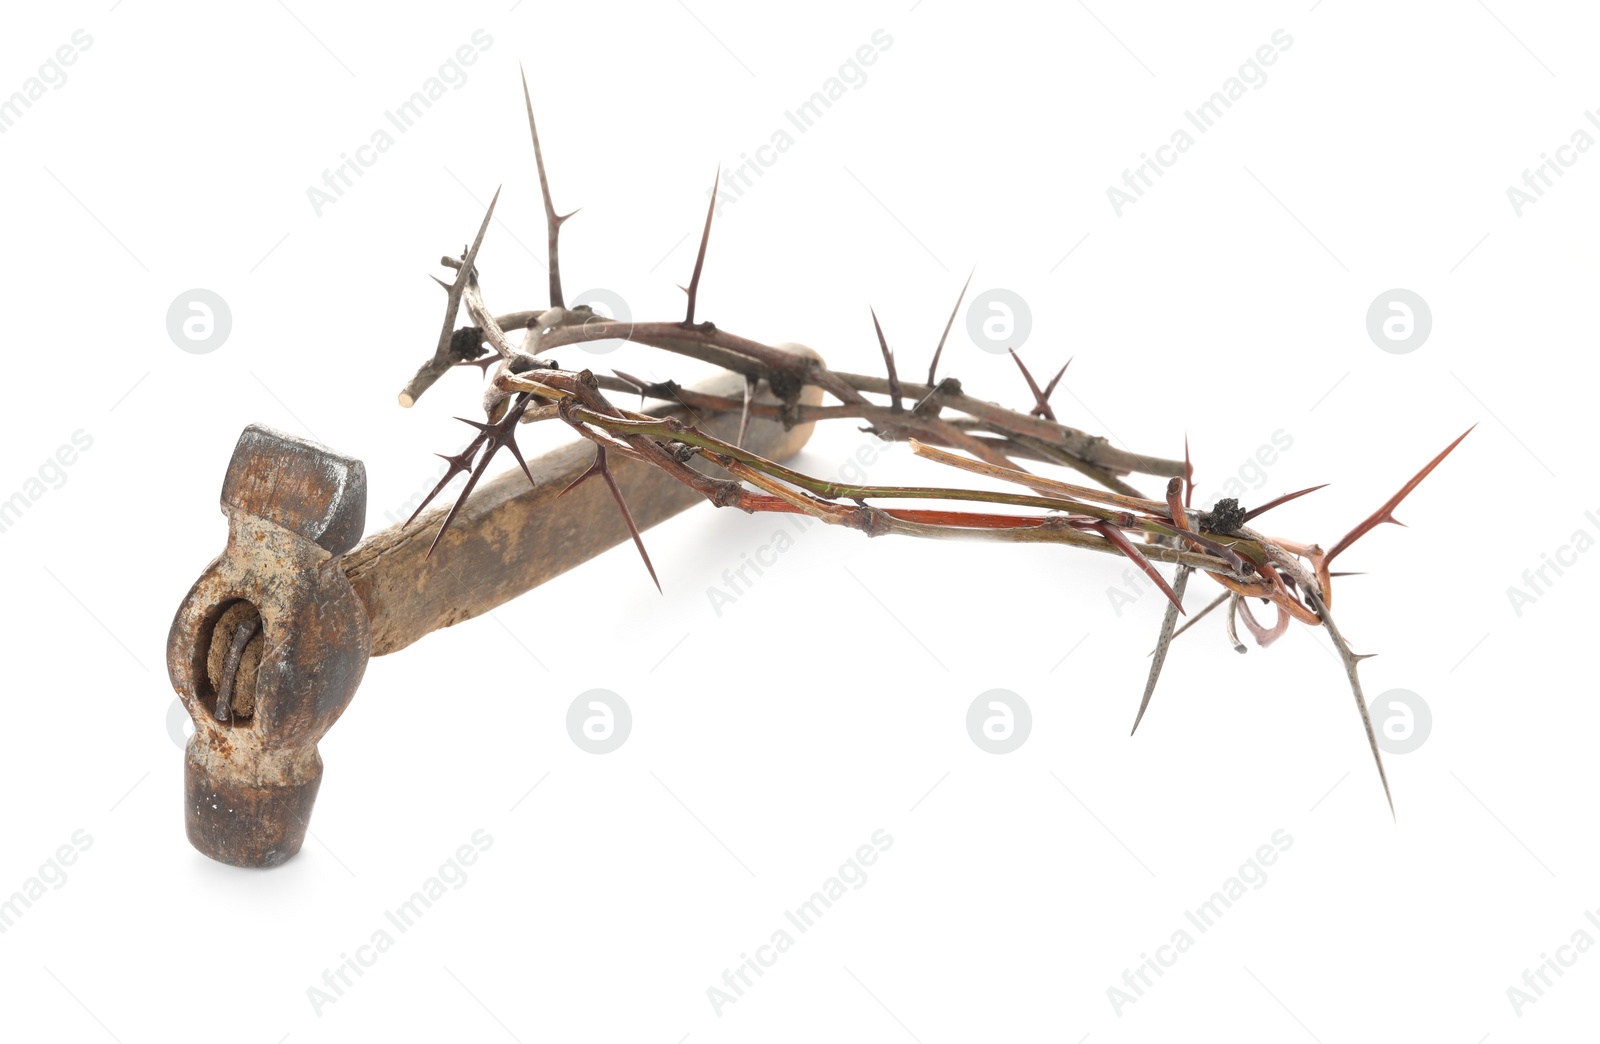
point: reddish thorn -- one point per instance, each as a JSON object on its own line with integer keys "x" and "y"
{"x": 1269, "y": 505}
{"x": 1041, "y": 404}
{"x": 1114, "y": 535}
{"x": 1386, "y": 512}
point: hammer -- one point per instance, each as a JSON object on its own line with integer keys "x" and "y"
{"x": 269, "y": 646}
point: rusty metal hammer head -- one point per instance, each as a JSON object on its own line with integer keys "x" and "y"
{"x": 268, "y": 647}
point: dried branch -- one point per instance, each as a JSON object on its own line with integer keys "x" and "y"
{"x": 443, "y": 359}
{"x": 946, "y": 425}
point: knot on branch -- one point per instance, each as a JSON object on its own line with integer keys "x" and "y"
{"x": 524, "y": 363}
{"x": 1226, "y": 516}
{"x": 930, "y": 406}
{"x": 871, "y": 521}
{"x": 466, "y": 344}
{"x": 785, "y": 386}
{"x": 728, "y": 494}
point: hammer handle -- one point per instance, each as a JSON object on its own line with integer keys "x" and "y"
{"x": 511, "y": 537}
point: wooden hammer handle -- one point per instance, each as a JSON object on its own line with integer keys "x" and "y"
{"x": 511, "y": 537}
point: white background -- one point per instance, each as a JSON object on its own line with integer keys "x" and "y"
{"x": 830, "y": 700}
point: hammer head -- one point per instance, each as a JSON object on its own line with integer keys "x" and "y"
{"x": 252, "y": 768}
{"x": 300, "y": 485}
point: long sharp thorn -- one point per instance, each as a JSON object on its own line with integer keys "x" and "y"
{"x": 693, "y": 289}
{"x": 599, "y": 467}
{"x": 1386, "y": 512}
{"x": 1041, "y": 405}
{"x": 504, "y": 433}
{"x": 425, "y": 377}
{"x": 1050, "y": 389}
{"x": 501, "y": 433}
{"x": 638, "y": 382}
{"x": 458, "y": 463}
{"x": 453, "y": 290}
{"x": 511, "y": 444}
{"x": 888, "y": 361}
{"x": 1188, "y": 475}
{"x": 1121, "y": 543}
{"x": 429, "y": 498}
{"x": 638, "y": 540}
{"x": 466, "y": 491}
{"x": 552, "y": 222}
{"x": 1269, "y": 505}
{"x": 933, "y": 367}
{"x": 750, "y": 383}
{"x": 590, "y": 472}
{"x": 1168, "y": 621}
{"x": 1197, "y": 617}
{"x": 1351, "y": 661}
{"x": 466, "y": 273}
